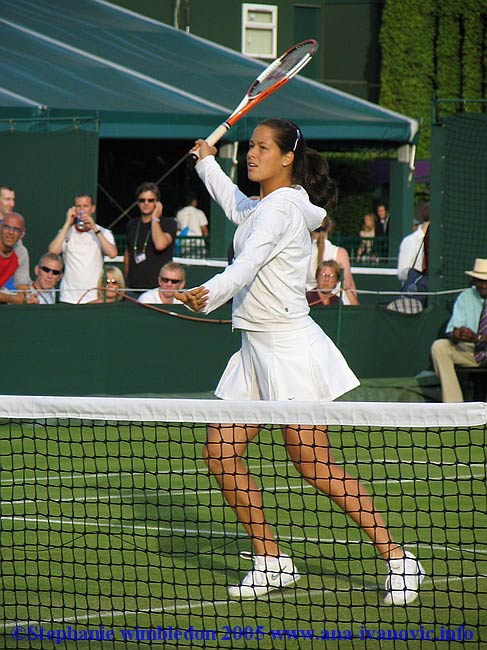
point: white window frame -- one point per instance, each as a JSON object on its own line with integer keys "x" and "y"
{"x": 272, "y": 26}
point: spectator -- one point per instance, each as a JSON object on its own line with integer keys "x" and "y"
{"x": 367, "y": 234}
{"x": 193, "y": 219}
{"x": 49, "y": 272}
{"x": 150, "y": 239}
{"x": 414, "y": 253}
{"x": 7, "y": 205}
{"x": 330, "y": 287}
{"x": 381, "y": 220}
{"x": 322, "y": 249}
{"x": 83, "y": 244}
{"x": 111, "y": 285}
{"x": 172, "y": 278}
{"x": 7, "y": 200}
{"x": 466, "y": 333}
{"x": 14, "y": 264}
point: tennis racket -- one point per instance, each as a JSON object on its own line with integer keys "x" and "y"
{"x": 278, "y": 73}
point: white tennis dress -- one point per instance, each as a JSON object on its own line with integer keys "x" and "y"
{"x": 285, "y": 354}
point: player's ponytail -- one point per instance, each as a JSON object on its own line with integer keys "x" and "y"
{"x": 310, "y": 169}
{"x": 316, "y": 180}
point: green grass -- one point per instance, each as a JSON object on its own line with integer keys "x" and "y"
{"x": 122, "y": 527}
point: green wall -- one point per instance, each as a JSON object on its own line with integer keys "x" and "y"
{"x": 347, "y": 32}
{"x": 128, "y": 349}
{"x": 47, "y": 163}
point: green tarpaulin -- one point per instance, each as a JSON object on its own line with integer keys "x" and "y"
{"x": 145, "y": 79}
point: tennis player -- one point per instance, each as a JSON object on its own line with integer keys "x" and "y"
{"x": 284, "y": 354}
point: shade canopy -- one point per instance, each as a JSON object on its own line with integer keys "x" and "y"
{"x": 145, "y": 79}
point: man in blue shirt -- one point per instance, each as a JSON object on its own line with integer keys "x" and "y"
{"x": 465, "y": 332}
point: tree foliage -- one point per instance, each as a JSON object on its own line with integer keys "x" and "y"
{"x": 433, "y": 49}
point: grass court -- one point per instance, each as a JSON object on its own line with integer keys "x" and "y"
{"x": 117, "y": 531}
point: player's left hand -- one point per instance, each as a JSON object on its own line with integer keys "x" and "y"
{"x": 196, "y": 299}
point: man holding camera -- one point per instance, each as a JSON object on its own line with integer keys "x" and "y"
{"x": 83, "y": 244}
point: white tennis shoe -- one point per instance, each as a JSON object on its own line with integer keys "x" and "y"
{"x": 269, "y": 573}
{"x": 402, "y": 583}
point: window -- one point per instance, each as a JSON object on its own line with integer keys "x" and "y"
{"x": 259, "y": 31}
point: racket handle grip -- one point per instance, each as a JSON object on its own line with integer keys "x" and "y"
{"x": 218, "y": 134}
{"x": 213, "y": 138}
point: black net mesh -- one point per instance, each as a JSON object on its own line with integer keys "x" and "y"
{"x": 464, "y": 196}
{"x": 114, "y": 535}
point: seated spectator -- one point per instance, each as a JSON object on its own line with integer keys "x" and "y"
{"x": 14, "y": 264}
{"x": 322, "y": 249}
{"x": 111, "y": 286}
{"x": 172, "y": 278}
{"x": 329, "y": 287}
{"x": 49, "y": 272}
{"x": 7, "y": 204}
{"x": 413, "y": 262}
{"x": 83, "y": 244}
{"x": 367, "y": 234}
{"x": 466, "y": 333}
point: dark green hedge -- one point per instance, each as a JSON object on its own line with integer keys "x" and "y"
{"x": 433, "y": 49}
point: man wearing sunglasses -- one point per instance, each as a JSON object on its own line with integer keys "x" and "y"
{"x": 83, "y": 244}
{"x": 150, "y": 240}
{"x": 14, "y": 264}
{"x": 172, "y": 278}
{"x": 48, "y": 272}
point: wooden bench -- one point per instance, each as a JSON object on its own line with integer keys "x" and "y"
{"x": 478, "y": 377}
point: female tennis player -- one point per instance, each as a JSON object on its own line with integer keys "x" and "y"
{"x": 284, "y": 354}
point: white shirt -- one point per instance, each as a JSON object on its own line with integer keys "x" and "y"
{"x": 44, "y": 296}
{"x": 272, "y": 251}
{"x": 191, "y": 218}
{"x": 83, "y": 263}
{"x": 408, "y": 250}
{"x": 153, "y": 297}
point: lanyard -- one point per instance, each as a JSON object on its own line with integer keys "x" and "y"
{"x": 137, "y": 239}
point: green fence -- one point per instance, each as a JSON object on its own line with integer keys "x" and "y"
{"x": 127, "y": 348}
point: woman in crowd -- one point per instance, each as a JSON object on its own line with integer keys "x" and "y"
{"x": 329, "y": 287}
{"x": 367, "y": 234}
{"x": 322, "y": 249}
{"x": 111, "y": 286}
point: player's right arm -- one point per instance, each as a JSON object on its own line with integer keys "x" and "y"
{"x": 235, "y": 204}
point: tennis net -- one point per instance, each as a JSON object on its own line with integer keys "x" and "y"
{"x": 113, "y": 535}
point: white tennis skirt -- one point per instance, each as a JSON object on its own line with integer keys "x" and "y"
{"x": 303, "y": 365}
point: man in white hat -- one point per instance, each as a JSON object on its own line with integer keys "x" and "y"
{"x": 467, "y": 335}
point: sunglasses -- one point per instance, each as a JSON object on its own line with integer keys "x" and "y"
{"x": 328, "y": 276}
{"x": 146, "y": 200}
{"x": 111, "y": 282}
{"x": 169, "y": 280}
{"x": 46, "y": 269}
{"x": 14, "y": 229}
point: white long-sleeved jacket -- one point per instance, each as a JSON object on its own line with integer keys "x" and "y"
{"x": 272, "y": 252}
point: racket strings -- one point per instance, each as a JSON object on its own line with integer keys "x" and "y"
{"x": 283, "y": 67}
